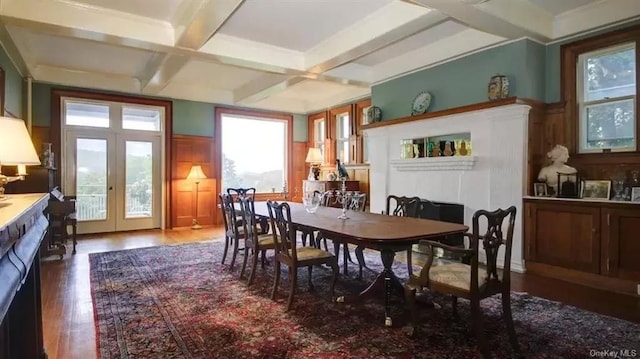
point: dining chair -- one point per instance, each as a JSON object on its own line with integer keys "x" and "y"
{"x": 254, "y": 240}
{"x": 234, "y": 230}
{"x": 294, "y": 257}
{"x": 248, "y": 192}
{"x": 465, "y": 278}
{"x": 400, "y": 206}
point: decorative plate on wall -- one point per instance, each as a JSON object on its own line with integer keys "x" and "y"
{"x": 420, "y": 103}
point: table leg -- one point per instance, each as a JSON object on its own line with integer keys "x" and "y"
{"x": 386, "y": 280}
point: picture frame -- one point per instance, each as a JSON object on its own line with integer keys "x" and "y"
{"x": 635, "y": 194}
{"x": 596, "y": 189}
{"x": 540, "y": 189}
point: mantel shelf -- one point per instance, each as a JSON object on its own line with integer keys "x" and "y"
{"x": 454, "y": 163}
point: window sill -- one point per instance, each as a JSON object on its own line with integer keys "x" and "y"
{"x": 455, "y": 163}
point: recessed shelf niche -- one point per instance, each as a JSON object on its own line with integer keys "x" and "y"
{"x": 455, "y": 144}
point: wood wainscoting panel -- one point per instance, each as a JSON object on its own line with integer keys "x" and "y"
{"x": 620, "y": 243}
{"x": 189, "y": 151}
{"x": 300, "y": 171}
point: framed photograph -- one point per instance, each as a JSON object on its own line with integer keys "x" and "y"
{"x": 540, "y": 189}
{"x": 635, "y": 194}
{"x": 596, "y": 189}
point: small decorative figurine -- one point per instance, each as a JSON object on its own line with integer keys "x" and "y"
{"x": 463, "y": 148}
{"x": 498, "y": 87}
{"x": 447, "y": 149}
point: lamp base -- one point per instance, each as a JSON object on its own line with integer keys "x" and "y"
{"x": 196, "y": 225}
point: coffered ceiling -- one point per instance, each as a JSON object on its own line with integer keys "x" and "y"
{"x": 296, "y": 56}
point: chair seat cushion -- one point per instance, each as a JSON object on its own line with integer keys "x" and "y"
{"x": 305, "y": 253}
{"x": 454, "y": 274}
{"x": 265, "y": 239}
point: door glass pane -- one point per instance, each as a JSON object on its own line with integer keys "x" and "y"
{"x": 134, "y": 118}
{"x": 91, "y": 179}
{"x": 139, "y": 179}
{"x": 86, "y": 114}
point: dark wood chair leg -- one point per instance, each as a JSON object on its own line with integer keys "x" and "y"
{"x": 276, "y": 280}
{"x": 294, "y": 280}
{"x": 336, "y": 270}
{"x": 476, "y": 319}
{"x": 310, "y": 270}
{"x": 227, "y": 241}
{"x": 254, "y": 265}
{"x": 336, "y": 249}
{"x": 345, "y": 254}
{"x": 234, "y": 254}
{"x": 303, "y": 237}
{"x": 409, "y": 265}
{"x": 410, "y": 299}
{"x": 360, "y": 257}
{"x": 244, "y": 262}
{"x": 508, "y": 318}
{"x": 346, "y": 249}
{"x": 74, "y": 232}
{"x": 454, "y": 306}
{"x": 264, "y": 257}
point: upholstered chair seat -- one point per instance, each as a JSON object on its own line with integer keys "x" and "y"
{"x": 454, "y": 274}
{"x": 305, "y": 253}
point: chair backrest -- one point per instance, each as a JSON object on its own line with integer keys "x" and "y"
{"x": 242, "y": 192}
{"x": 492, "y": 239}
{"x": 402, "y": 206}
{"x": 249, "y": 222}
{"x": 358, "y": 201}
{"x": 224, "y": 213}
{"x": 328, "y": 198}
{"x": 230, "y": 215}
{"x": 284, "y": 232}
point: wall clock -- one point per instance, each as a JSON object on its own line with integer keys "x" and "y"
{"x": 420, "y": 103}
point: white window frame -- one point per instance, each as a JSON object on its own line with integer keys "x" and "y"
{"x": 319, "y": 128}
{"x": 340, "y": 141}
{"x": 285, "y": 144}
{"x": 583, "y": 105}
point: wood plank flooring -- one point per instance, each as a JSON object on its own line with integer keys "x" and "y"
{"x": 69, "y": 331}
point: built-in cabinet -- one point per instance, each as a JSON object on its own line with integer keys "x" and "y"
{"x": 589, "y": 242}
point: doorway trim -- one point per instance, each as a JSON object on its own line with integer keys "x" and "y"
{"x": 56, "y": 132}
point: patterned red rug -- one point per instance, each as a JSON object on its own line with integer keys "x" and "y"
{"x": 180, "y": 302}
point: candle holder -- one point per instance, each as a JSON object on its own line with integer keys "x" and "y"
{"x": 341, "y": 197}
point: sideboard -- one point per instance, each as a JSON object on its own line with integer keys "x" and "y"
{"x": 22, "y": 229}
{"x": 590, "y": 242}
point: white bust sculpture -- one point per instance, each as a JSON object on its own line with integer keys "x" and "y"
{"x": 559, "y": 156}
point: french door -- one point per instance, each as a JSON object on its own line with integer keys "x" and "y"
{"x": 115, "y": 175}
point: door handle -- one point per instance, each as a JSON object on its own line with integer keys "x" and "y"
{"x": 110, "y": 188}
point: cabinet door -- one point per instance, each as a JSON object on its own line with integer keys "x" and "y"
{"x": 621, "y": 243}
{"x": 565, "y": 235}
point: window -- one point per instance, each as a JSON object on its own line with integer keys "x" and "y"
{"x": 342, "y": 137}
{"x": 319, "y": 135}
{"x": 86, "y": 114}
{"x": 140, "y": 118}
{"x": 606, "y": 97}
{"x": 254, "y": 153}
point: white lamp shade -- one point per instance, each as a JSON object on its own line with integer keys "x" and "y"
{"x": 196, "y": 173}
{"x": 16, "y": 147}
{"x": 314, "y": 155}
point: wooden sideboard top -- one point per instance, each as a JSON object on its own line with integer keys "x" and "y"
{"x": 14, "y": 205}
{"x": 581, "y": 200}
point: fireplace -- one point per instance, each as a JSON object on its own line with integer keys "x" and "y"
{"x": 492, "y": 176}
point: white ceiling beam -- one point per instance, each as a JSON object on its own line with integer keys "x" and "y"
{"x": 88, "y": 79}
{"x": 263, "y": 87}
{"x": 388, "y": 25}
{"x": 13, "y": 52}
{"x": 197, "y": 23}
{"x": 510, "y": 19}
{"x": 595, "y": 15}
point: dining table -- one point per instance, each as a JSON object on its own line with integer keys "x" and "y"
{"x": 387, "y": 234}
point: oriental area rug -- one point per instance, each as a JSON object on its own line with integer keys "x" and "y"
{"x": 180, "y": 302}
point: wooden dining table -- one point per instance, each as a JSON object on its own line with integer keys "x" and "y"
{"x": 387, "y": 234}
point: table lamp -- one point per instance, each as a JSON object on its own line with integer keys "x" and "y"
{"x": 16, "y": 149}
{"x": 196, "y": 174}
{"x": 314, "y": 159}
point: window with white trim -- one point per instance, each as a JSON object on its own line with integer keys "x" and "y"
{"x": 319, "y": 135}
{"x": 342, "y": 137}
{"x": 606, "y": 96}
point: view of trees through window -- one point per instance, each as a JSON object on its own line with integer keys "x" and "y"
{"x": 253, "y": 153}
{"x": 609, "y": 90}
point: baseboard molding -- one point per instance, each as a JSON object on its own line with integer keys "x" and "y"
{"x": 588, "y": 279}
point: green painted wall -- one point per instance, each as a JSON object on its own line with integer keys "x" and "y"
{"x": 14, "y": 86}
{"x": 193, "y": 118}
{"x": 552, "y": 86}
{"x": 464, "y": 81}
{"x": 300, "y": 123}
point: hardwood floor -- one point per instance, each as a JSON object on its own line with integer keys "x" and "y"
{"x": 68, "y": 318}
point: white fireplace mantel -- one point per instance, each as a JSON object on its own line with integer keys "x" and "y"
{"x": 461, "y": 163}
{"x": 493, "y": 177}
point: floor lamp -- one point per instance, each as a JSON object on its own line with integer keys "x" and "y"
{"x": 196, "y": 174}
